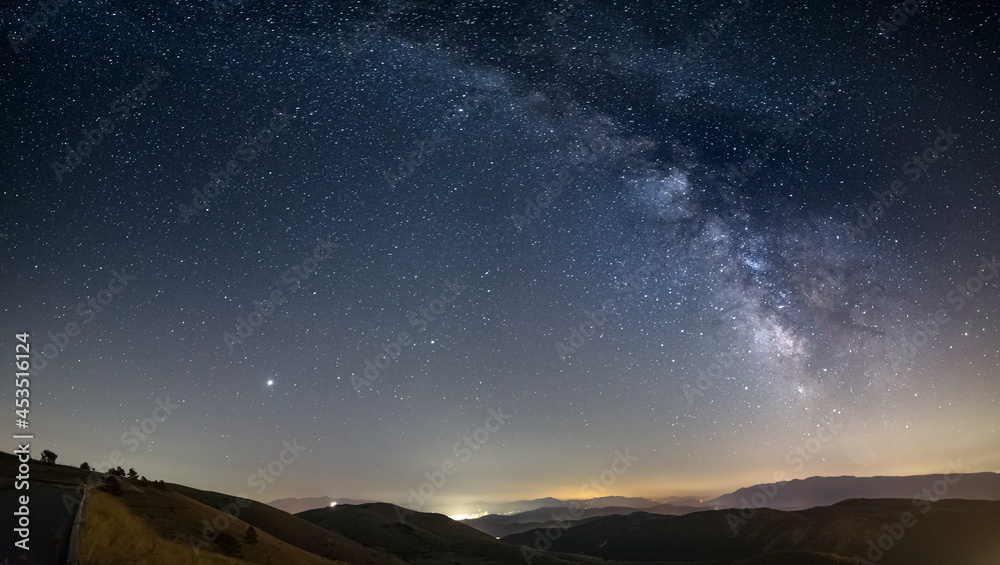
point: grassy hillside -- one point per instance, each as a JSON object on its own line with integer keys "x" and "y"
{"x": 159, "y": 526}
{"x": 292, "y": 529}
{"x": 423, "y": 538}
{"x": 164, "y": 523}
{"x": 149, "y": 524}
{"x": 113, "y": 535}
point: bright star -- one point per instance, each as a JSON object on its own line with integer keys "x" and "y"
{"x": 270, "y": 382}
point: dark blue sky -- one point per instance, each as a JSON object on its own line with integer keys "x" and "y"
{"x": 526, "y": 208}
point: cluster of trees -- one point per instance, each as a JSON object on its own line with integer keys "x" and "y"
{"x": 227, "y": 543}
{"x": 230, "y": 546}
{"x": 49, "y": 457}
{"x": 111, "y": 485}
{"x": 119, "y": 472}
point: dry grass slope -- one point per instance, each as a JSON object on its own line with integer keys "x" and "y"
{"x": 113, "y": 536}
{"x": 292, "y": 529}
{"x": 147, "y": 526}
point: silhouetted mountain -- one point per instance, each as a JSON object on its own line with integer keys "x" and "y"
{"x": 296, "y": 505}
{"x": 686, "y": 500}
{"x": 479, "y": 508}
{"x": 181, "y": 525}
{"x": 607, "y": 501}
{"x": 824, "y": 491}
{"x": 504, "y": 525}
{"x": 910, "y": 532}
{"x": 672, "y": 509}
{"x": 419, "y": 537}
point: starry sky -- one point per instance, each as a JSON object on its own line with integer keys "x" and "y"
{"x": 508, "y": 239}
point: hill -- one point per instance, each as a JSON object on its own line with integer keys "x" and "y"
{"x": 418, "y": 537}
{"x": 137, "y": 522}
{"x": 177, "y": 524}
{"x": 951, "y": 531}
{"x": 824, "y": 491}
{"x": 505, "y": 525}
{"x": 296, "y": 505}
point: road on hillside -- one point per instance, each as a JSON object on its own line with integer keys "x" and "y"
{"x": 50, "y": 525}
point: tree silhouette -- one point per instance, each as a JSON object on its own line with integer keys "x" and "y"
{"x": 251, "y": 536}
{"x": 111, "y": 485}
{"x": 132, "y": 474}
{"x": 117, "y": 471}
{"x": 85, "y": 466}
{"x": 48, "y": 457}
{"x": 229, "y": 545}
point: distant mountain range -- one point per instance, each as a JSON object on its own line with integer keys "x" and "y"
{"x": 296, "y": 505}
{"x": 506, "y": 519}
{"x": 557, "y": 516}
{"x": 856, "y": 532}
{"x": 824, "y": 491}
{"x": 135, "y": 521}
{"x": 796, "y": 494}
{"x": 790, "y": 495}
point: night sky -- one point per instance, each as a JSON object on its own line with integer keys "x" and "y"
{"x": 698, "y": 233}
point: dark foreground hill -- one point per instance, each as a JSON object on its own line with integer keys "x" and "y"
{"x": 889, "y": 532}
{"x": 133, "y": 522}
{"x": 164, "y": 524}
{"x": 296, "y": 505}
{"x": 418, "y": 537}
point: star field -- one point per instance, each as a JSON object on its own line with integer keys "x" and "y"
{"x": 693, "y": 230}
